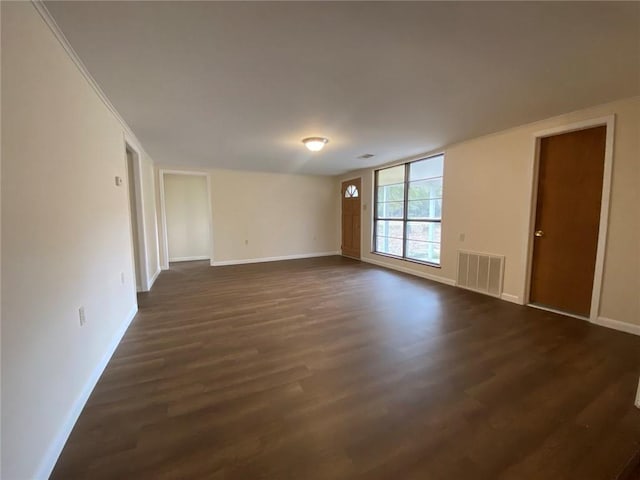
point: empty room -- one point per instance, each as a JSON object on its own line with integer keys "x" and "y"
{"x": 320, "y": 240}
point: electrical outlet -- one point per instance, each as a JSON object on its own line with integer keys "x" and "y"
{"x": 246, "y": 242}
{"x": 83, "y": 317}
{"x": 122, "y": 277}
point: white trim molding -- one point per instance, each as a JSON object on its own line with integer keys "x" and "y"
{"x": 56, "y": 446}
{"x": 189, "y": 259}
{"x": 222, "y": 263}
{"x": 153, "y": 278}
{"x": 511, "y": 298}
{"x": 164, "y": 238}
{"x": 141, "y": 227}
{"x": 617, "y": 325}
{"x": 435, "y": 278}
{"x": 609, "y": 122}
{"x": 44, "y": 13}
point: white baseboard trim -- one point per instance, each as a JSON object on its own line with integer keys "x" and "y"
{"x": 56, "y": 446}
{"x": 617, "y": 325}
{"x": 410, "y": 271}
{"x": 511, "y": 298}
{"x": 222, "y": 263}
{"x": 153, "y": 278}
{"x": 189, "y": 259}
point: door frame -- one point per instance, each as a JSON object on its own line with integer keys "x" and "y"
{"x": 164, "y": 239}
{"x": 361, "y": 209}
{"x": 141, "y": 229}
{"x": 609, "y": 122}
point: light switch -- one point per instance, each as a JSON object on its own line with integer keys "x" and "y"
{"x": 118, "y": 181}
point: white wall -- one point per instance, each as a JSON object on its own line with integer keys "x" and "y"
{"x": 487, "y": 185}
{"x": 65, "y": 242}
{"x": 262, "y": 215}
{"x": 0, "y": 251}
{"x": 1, "y": 355}
{"x": 259, "y": 216}
{"x": 187, "y": 212}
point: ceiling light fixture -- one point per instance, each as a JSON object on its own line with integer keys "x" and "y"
{"x": 315, "y": 144}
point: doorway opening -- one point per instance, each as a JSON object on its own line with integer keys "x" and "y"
{"x": 186, "y": 216}
{"x": 136, "y": 218}
{"x": 569, "y": 218}
{"x": 351, "y": 201}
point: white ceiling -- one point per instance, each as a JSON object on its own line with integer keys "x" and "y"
{"x": 238, "y": 85}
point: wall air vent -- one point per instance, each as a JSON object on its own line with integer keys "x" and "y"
{"x": 480, "y": 272}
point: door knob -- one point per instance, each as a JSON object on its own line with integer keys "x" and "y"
{"x": 539, "y": 233}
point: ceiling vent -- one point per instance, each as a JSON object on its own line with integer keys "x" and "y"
{"x": 366, "y": 155}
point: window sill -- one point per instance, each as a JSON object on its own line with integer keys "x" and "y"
{"x": 410, "y": 260}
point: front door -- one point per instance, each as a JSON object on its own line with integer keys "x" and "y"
{"x": 571, "y": 170}
{"x": 351, "y": 218}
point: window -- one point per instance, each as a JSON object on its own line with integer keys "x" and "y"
{"x": 351, "y": 192}
{"x": 408, "y": 210}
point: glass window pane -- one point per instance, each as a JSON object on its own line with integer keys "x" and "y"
{"x": 427, "y": 168}
{"x": 390, "y": 210}
{"x": 391, "y": 193}
{"x": 425, "y": 209}
{"x": 388, "y": 245}
{"x": 423, "y": 251}
{"x": 389, "y": 176}
{"x": 389, "y": 228}
{"x": 351, "y": 191}
{"x": 425, "y": 189}
{"x": 424, "y": 231}
{"x": 389, "y": 237}
{"x": 424, "y": 205}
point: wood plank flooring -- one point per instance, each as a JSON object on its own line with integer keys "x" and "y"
{"x": 330, "y": 368}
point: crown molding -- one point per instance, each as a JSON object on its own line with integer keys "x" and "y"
{"x": 44, "y": 13}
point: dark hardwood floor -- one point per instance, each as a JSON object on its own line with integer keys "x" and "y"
{"x": 330, "y": 368}
{"x": 632, "y": 469}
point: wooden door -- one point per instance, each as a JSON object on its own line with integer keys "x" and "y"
{"x": 351, "y": 218}
{"x": 571, "y": 170}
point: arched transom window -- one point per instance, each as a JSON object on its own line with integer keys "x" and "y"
{"x": 351, "y": 191}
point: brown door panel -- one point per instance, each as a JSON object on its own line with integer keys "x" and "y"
{"x": 571, "y": 170}
{"x": 351, "y": 219}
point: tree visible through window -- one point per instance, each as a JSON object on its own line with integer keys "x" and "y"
{"x": 408, "y": 210}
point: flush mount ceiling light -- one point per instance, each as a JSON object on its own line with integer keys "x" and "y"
{"x": 315, "y": 144}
